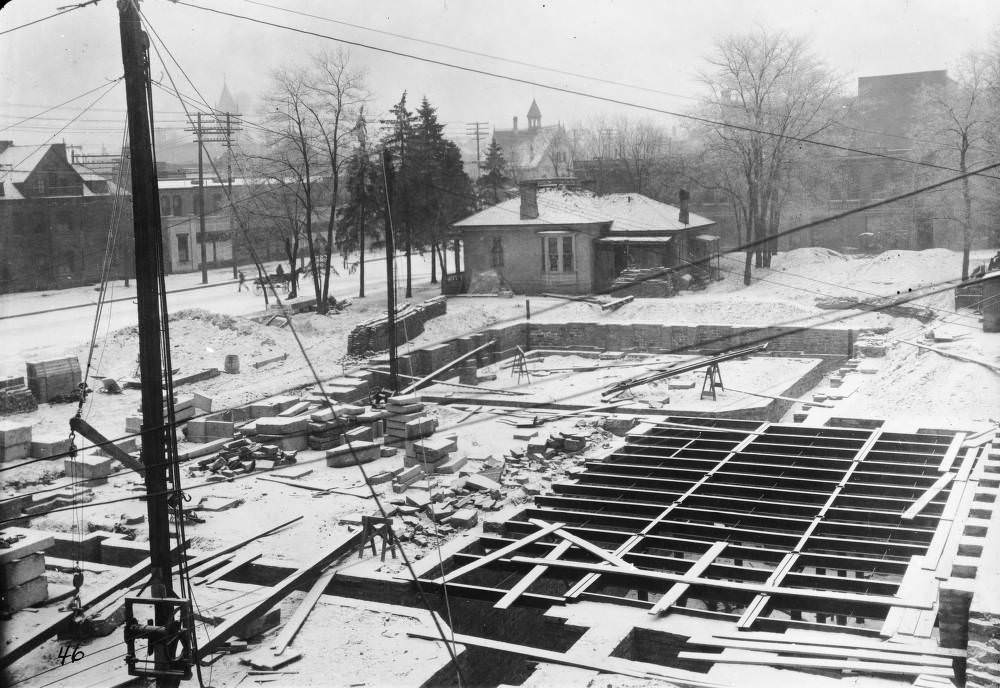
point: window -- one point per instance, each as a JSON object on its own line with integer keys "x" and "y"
{"x": 216, "y": 202}
{"x": 182, "y": 249}
{"x": 496, "y": 253}
{"x": 164, "y": 205}
{"x": 178, "y": 205}
{"x": 558, "y": 254}
{"x": 40, "y": 185}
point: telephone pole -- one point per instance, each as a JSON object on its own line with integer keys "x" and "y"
{"x": 205, "y": 133}
{"x": 165, "y": 631}
{"x": 479, "y": 130}
{"x": 388, "y": 176}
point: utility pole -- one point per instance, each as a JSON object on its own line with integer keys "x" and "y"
{"x": 473, "y": 129}
{"x": 165, "y": 631}
{"x": 229, "y": 184}
{"x": 201, "y": 205}
{"x": 205, "y": 134}
{"x": 388, "y": 175}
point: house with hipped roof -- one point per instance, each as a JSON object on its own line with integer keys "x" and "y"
{"x": 555, "y": 237}
{"x": 55, "y": 219}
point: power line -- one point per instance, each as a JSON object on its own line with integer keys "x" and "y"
{"x": 65, "y": 10}
{"x": 567, "y": 90}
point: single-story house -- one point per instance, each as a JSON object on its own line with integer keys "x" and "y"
{"x": 572, "y": 241}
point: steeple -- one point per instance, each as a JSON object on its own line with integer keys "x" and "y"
{"x": 226, "y": 101}
{"x": 534, "y": 116}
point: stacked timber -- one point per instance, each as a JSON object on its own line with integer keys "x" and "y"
{"x": 644, "y": 283}
{"x": 22, "y": 568}
{"x": 374, "y": 334}
{"x": 54, "y": 379}
{"x": 15, "y": 397}
{"x": 407, "y": 419}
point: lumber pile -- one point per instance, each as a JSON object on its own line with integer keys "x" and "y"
{"x": 15, "y": 397}
{"x": 655, "y": 283}
{"x": 22, "y": 568}
{"x": 374, "y": 335}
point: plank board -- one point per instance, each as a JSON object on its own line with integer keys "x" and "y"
{"x": 237, "y": 562}
{"x": 526, "y": 582}
{"x": 284, "y": 639}
{"x": 949, "y": 456}
{"x": 928, "y": 496}
{"x": 793, "y": 648}
{"x": 843, "y": 641}
{"x": 731, "y": 585}
{"x": 677, "y": 590}
{"x": 812, "y": 663}
{"x": 502, "y": 552}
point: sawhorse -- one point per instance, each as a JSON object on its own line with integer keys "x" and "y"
{"x": 377, "y": 525}
{"x": 713, "y": 380}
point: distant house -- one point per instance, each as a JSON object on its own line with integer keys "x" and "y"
{"x": 565, "y": 240}
{"x": 55, "y": 219}
{"x": 536, "y": 152}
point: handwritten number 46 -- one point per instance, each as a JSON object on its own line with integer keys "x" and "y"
{"x": 65, "y": 653}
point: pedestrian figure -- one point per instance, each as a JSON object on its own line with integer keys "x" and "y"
{"x": 243, "y": 281}
{"x": 279, "y": 271}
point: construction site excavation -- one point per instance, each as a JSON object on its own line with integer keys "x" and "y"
{"x": 695, "y": 385}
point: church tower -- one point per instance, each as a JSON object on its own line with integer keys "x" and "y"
{"x": 534, "y": 116}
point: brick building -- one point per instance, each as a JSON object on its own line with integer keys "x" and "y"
{"x": 55, "y": 218}
{"x": 536, "y": 152}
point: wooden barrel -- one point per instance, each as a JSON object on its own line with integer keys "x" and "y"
{"x": 232, "y": 364}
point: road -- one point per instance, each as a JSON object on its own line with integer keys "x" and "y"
{"x": 40, "y": 325}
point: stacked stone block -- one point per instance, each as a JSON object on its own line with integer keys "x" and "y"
{"x": 374, "y": 334}
{"x": 22, "y": 569}
{"x": 58, "y": 377}
{"x": 15, "y": 441}
{"x": 15, "y": 397}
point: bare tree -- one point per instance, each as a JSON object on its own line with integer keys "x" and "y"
{"x": 338, "y": 93}
{"x": 764, "y": 89}
{"x": 293, "y": 161}
{"x": 960, "y": 118}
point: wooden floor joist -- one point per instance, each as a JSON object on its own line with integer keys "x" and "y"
{"x": 750, "y": 657}
{"x": 677, "y": 590}
{"x": 502, "y": 552}
{"x": 925, "y": 499}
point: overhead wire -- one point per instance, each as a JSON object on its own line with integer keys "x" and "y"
{"x": 570, "y": 91}
{"x": 59, "y": 13}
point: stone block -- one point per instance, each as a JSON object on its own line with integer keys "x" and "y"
{"x": 360, "y": 433}
{"x": 405, "y": 409}
{"x": 404, "y": 399}
{"x": 25, "y": 595}
{"x": 19, "y": 571}
{"x": 351, "y": 454}
{"x": 15, "y": 452}
{"x": 14, "y": 434}
{"x": 453, "y": 465}
{"x": 464, "y": 518}
{"x": 477, "y": 481}
{"x": 275, "y": 425}
{"x": 87, "y": 468}
{"x": 433, "y": 448}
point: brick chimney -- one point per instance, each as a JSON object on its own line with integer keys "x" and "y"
{"x": 682, "y": 216}
{"x": 529, "y": 201}
{"x": 515, "y": 125}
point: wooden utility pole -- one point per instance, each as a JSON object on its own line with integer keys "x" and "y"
{"x": 148, "y": 268}
{"x": 388, "y": 175}
{"x": 201, "y": 205}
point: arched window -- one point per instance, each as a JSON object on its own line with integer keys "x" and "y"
{"x": 496, "y": 252}
{"x": 164, "y": 205}
{"x": 178, "y": 205}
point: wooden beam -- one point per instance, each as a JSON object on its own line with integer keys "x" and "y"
{"x": 793, "y": 648}
{"x": 237, "y": 562}
{"x": 949, "y": 456}
{"x": 502, "y": 552}
{"x": 427, "y": 378}
{"x": 780, "y": 398}
{"x": 759, "y": 603}
{"x": 268, "y": 597}
{"x": 846, "y": 642}
{"x": 731, "y": 585}
{"x": 598, "y": 552}
{"x": 532, "y": 576}
{"x": 607, "y": 665}
{"x": 677, "y": 590}
{"x": 928, "y": 496}
{"x": 810, "y": 663}
{"x": 284, "y": 639}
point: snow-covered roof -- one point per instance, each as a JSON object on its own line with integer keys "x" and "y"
{"x": 192, "y": 183}
{"x": 17, "y": 162}
{"x": 627, "y": 213}
{"x": 527, "y": 147}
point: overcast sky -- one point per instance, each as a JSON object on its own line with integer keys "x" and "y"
{"x": 654, "y": 44}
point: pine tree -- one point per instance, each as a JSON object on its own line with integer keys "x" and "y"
{"x": 494, "y": 181}
{"x": 360, "y": 214}
{"x": 398, "y": 141}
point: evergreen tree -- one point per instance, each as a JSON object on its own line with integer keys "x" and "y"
{"x": 360, "y": 214}
{"x": 493, "y": 183}
{"x": 398, "y": 141}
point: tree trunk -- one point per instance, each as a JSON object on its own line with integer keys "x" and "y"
{"x": 361, "y": 253}
{"x": 442, "y": 255}
{"x": 458, "y": 256}
{"x": 967, "y": 225}
{"x": 409, "y": 265}
{"x": 434, "y": 272}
